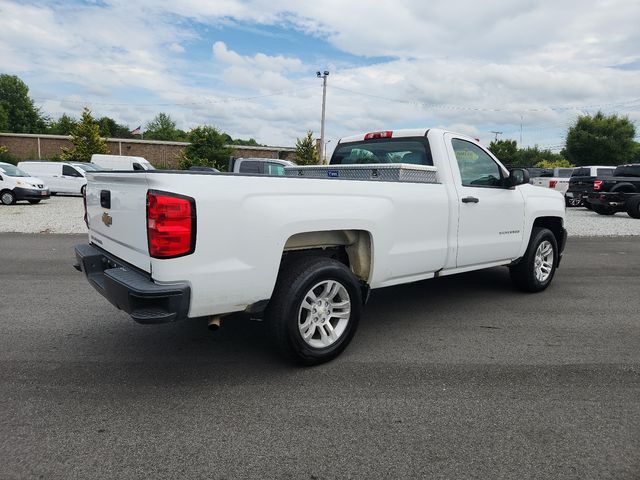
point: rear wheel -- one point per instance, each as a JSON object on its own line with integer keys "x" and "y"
{"x": 603, "y": 210}
{"x": 535, "y": 270}
{"x": 7, "y": 197}
{"x": 33, "y": 202}
{"x": 633, "y": 206}
{"x": 315, "y": 309}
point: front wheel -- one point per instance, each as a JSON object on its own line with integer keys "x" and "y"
{"x": 315, "y": 309}
{"x": 535, "y": 270}
{"x": 8, "y": 197}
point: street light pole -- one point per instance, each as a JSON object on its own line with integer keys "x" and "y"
{"x": 323, "y": 76}
{"x": 324, "y": 149}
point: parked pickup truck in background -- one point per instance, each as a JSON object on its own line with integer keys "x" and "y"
{"x": 581, "y": 184}
{"x": 558, "y": 182}
{"x": 305, "y": 249}
{"x": 617, "y": 193}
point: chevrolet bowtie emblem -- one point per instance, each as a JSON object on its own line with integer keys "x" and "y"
{"x": 106, "y": 219}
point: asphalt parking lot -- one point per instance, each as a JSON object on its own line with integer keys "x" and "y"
{"x": 460, "y": 377}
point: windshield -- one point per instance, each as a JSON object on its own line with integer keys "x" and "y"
{"x": 12, "y": 171}
{"x": 88, "y": 167}
{"x": 384, "y": 150}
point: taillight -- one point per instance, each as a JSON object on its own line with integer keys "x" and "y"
{"x": 386, "y": 134}
{"x": 553, "y": 183}
{"x": 597, "y": 184}
{"x": 171, "y": 224}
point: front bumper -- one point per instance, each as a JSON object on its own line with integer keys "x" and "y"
{"x": 131, "y": 290}
{"x": 31, "y": 193}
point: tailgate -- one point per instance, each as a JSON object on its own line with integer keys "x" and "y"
{"x": 117, "y": 214}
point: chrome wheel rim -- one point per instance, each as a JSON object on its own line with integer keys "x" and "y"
{"x": 324, "y": 314}
{"x": 6, "y": 198}
{"x": 574, "y": 202}
{"x": 543, "y": 262}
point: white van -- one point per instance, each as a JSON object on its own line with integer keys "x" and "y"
{"x": 60, "y": 177}
{"x": 18, "y": 185}
{"x": 121, "y": 162}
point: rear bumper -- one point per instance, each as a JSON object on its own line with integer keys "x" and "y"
{"x": 31, "y": 193}
{"x": 608, "y": 199}
{"x": 131, "y": 290}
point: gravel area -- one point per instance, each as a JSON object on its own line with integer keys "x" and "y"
{"x": 55, "y": 215}
{"x": 64, "y": 215}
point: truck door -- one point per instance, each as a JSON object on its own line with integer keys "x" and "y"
{"x": 491, "y": 217}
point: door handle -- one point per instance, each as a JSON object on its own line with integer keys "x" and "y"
{"x": 470, "y": 200}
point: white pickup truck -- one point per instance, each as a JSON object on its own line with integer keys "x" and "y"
{"x": 305, "y": 249}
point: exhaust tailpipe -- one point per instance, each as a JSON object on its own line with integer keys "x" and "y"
{"x": 214, "y": 323}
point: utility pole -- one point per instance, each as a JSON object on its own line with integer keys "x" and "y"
{"x": 521, "y": 131}
{"x": 496, "y": 134}
{"x": 324, "y": 150}
{"x": 323, "y": 76}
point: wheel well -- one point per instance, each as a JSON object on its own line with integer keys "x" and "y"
{"x": 350, "y": 247}
{"x": 624, "y": 188}
{"x": 552, "y": 223}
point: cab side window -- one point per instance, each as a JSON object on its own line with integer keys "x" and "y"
{"x": 477, "y": 168}
{"x": 68, "y": 171}
{"x": 137, "y": 166}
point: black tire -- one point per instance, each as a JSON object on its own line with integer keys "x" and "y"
{"x": 33, "y": 202}
{"x": 7, "y": 197}
{"x": 588, "y": 205}
{"x": 603, "y": 210}
{"x": 83, "y": 189}
{"x": 523, "y": 274}
{"x": 633, "y": 206}
{"x": 285, "y": 311}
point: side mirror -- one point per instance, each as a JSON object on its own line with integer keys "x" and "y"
{"x": 517, "y": 176}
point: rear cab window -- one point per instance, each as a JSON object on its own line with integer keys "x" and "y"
{"x": 627, "y": 171}
{"x": 412, "y": 150}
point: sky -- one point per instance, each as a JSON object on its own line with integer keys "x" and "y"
{"x": 524, "y": 68}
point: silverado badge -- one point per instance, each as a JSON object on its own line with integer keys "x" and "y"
{"x": 106, "y": 219}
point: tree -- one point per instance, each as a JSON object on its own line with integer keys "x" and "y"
{"x": 505, "y": 150}
{"x": 86, "y": 140}
{"x": 601, "y": 140}
{"x": 163, "y": 127}
{"x": 22, "y": 115}
{"x": 4, "y": 119}
{"x": 63, "y": 126}
{"x": 527, "y": 157}
{"x": 562, "y": 163}
{"x": 208, "y": 147}
{"x": 110, "y": 128}
{"x": 306, "y": 151}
